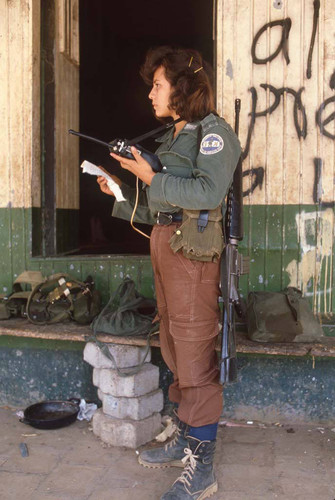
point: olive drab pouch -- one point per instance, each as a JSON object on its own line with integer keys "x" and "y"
{"x": 4, "y": 310}
{"x": 62, "y": 298}
{"x": 14, "y": 304}
{"x": 196, "y": 242}
{"x": 281, "y": 317}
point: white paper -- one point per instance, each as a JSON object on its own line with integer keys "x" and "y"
{"x": 90, "y": 168}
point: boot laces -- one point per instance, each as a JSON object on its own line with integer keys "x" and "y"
{"x": 190, "y": 464}
{"x": 174, "y": 440}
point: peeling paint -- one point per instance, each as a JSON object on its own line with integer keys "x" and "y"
{"x": 316, "y": 260}
{"x": 229, "y": 69}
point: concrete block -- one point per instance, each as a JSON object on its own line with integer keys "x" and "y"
{"x": 125, "y": 355}
{"x": 129, "y": 433}
{"x": 146, "y": 380}
{"x": 134, "y": 408}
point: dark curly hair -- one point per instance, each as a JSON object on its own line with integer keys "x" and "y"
{"x": 190, "y": 76}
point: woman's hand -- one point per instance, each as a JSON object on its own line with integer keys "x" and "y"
{"x": 139, "y": 167}
{"x": 102, "y": 181}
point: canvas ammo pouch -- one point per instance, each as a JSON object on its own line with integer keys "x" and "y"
{"x": 14, "y": 304}
{"x": 281, "y": 317}
{"x": 62, "y": 298}
{"x": 206, "y": 245}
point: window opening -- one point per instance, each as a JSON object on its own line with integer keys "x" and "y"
{"x": 114, "y": 37}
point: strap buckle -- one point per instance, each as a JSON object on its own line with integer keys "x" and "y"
{"x": 164, "y": 219}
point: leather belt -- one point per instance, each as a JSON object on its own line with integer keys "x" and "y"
{"x": 165, "y": 219}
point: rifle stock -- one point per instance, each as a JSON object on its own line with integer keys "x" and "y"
{"x": 233, "y": 264}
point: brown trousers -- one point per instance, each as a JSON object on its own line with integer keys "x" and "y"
{"x": 187, "y": 298}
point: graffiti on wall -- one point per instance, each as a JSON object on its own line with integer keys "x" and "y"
{"x": 322, "y": 121}
{"x": 312, "y": 271}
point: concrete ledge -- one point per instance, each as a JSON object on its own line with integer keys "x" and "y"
{"x": 72, "y": 331}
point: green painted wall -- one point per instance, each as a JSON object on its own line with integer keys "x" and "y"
{"x": 33, "y": 370}
{"x": 269, "y": 388}
{"x": 272, "y": 239}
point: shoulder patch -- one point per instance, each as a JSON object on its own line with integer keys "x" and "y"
{"x": 211, "y": 144}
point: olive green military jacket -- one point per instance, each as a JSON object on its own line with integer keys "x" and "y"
{"x": 197, "y": 172}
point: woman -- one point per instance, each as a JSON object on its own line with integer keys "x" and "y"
{"x": 184, "y": 203}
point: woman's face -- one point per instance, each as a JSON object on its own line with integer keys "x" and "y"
{"x": 160, "y": 94}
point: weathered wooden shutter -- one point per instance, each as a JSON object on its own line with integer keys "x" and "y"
{"x": 60, "y": 89}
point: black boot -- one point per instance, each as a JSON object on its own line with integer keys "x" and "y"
{"x": 169, "y": 455}
{"x": 197, "y": 481}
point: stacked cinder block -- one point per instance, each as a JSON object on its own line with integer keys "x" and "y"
{"x": 130, "y": 405}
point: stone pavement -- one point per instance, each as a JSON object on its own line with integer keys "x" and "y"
{"x": 291, "y": 462}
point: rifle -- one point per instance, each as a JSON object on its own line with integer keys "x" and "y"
{"x": 233, "y": 265}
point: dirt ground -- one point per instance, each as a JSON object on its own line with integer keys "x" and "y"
{"x": 253, "y": 462}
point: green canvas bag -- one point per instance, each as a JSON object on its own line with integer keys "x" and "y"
{"x": 14, "y": 304}
{"x": 61, "y": 298}
{"x": 281, "y": 317}
{"x": 127, "y": 314}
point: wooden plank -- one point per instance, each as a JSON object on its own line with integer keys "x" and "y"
{"x": 274, "y": 242}
{"x": 64, "y": 331}
{"x": 226, "y": 106}
{"x": 146, "y": 279}
{"x": 326, "y": 187}
{"x": 4, "y": 110}
{"x": 75, "y": 56}
{"x": 327, "y": 145}
{"x": 293, "y": 72}
{"x": 276, "y": 70}
{"x": 26, "y": 111}
{"x": 18, "y": 240}
{"x": 260, "y": 75}
{"x": 17, "y": 72}
{"x": 310, "y": 96}
{"x": 67, "y": 113}
{"x": 74, "y": 332}
{"x": 102, "y": 279}
{"x": 5, "y": 251}
{"x": 35, "y": 124}
{"x": 219, "y": 39}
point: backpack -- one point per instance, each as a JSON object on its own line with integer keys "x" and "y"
{"x": 281, "y": 317}
{"x": 61, "y": 298}
{"x": 14, "y": 304}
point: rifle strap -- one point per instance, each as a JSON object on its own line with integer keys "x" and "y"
{"x": 203, "y": 215}
{"x": 154, "y": 132}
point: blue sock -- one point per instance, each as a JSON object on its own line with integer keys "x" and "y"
{"x": 205, "y": 432}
